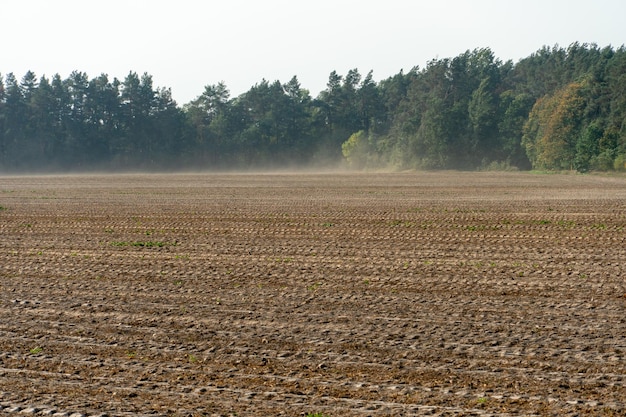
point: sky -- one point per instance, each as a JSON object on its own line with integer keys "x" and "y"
{"x": 188, "y": 44}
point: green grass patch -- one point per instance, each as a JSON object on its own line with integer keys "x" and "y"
{"x": 566, "y": 223}
{"x": 402, "y": 223}
{"x": 36, "y": 351}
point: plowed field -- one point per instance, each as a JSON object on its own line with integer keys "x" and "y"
{"x": 286, "y": 294}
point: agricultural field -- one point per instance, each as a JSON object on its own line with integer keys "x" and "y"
{"x": 335, "y": 294}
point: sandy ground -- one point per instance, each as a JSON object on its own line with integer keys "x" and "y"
{"x": 405, "y": 294}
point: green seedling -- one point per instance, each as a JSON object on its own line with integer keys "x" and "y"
{"x": 566, "y": 223}
{"x": 35, "y": 351}
{"x": 473, "y": 228}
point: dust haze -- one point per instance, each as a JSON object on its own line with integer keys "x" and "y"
{"x": 318, "y": 164}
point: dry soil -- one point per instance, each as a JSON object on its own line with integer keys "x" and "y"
{"x": 376, "y": 294}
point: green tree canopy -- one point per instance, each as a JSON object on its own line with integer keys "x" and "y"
{"x": 559, "y": 108}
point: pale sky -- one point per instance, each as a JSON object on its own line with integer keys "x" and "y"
{"x": 187, "y": 44}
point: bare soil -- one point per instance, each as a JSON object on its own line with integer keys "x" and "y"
{"x": 401, "y": 294}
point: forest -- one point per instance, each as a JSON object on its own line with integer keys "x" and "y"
{"x": 561, "y": 108}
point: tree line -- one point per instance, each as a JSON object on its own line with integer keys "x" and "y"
{"x": 558, "y": 109}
